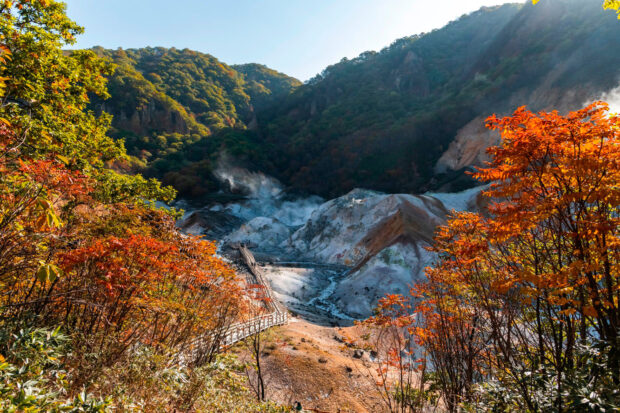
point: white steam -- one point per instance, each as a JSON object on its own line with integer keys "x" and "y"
{"x": 266, "y": 197}
{"x": 613, "y": 98}
{"x": 255, "y": 185}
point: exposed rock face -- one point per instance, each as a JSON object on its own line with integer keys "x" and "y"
{"x": 152, "y": 116}
{"x": 351, "y": 229}
{"x": 211, "y": 224}
{"x": 382, "y": 237}
{"x": 469, "y": 147}
{"x": 392, "y": 271}
{"x": 268, "y": 233}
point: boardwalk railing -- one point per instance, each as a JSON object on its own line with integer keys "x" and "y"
{"x": 234, "y": 333}
{"x": 250, "y": 262}
{"x": 240, "y": 331}
{"x": 202, "y": 348}
{"x": 278, "y": 315}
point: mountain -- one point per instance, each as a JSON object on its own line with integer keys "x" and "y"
{"x": 165, "y": 100}
{"x": 409, "y": 118}
{"x": 386, "y": 120}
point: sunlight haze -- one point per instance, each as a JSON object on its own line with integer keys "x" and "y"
{"x": 299, "y": 38}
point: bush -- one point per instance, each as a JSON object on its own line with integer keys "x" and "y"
{"x": 589, "y": 387}
{"x": 147, "y": 382}
{"x": 33, "y": 376}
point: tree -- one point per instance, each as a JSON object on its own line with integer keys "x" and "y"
{"x": 46, "y": 92}
{"x": 518, "y": 292}
{"x": 256, "y": 316}
{"x": 402, "y": 378}
{"x": 613, "y": 5}
{"x": 81, "y": 246}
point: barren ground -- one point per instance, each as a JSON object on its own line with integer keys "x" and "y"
{"x": 309, "y": 363}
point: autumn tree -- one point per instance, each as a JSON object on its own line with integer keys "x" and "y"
{"x": 259, "y": 308}
{"x": 612, "y": 5}
{"x": 521, "y": 306}
{"x": 607, "y": 4}
{"x": 83, "y": 247}
{"x": 401, "y": 371}
{"x": 46, "y": 94}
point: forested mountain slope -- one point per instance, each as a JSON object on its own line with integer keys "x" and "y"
{"x": 383, "y": 120}
{"x": 407, "y": 118}
{"x": 164, "y": 100}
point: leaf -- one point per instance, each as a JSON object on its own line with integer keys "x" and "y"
{"x": 63, "y": 159}
{"x": 48, "y": 272}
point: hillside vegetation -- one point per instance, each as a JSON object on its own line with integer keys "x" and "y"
{"x": 165, "y": 102}
{"x": 380, "y": 121}
{"x": 104, "y": 305}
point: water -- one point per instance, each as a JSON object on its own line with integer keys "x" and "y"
{"x": 307, "y": 289}
{"x": 324, "y": 302}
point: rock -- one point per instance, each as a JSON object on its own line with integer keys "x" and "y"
{"x": 469, "y": 147}
{"x": 158, "y": 115}
{"x": 471, "y": 142}
{"x": 391, "y": 271}
{"x": 266, "y": 233}
{"x": 358, "y": 354}
{"x": 380, "y": 237}
{"x": 322, "y": 360}
{"x": 212, "y": 224}
{"x": 383, "y": 237}
{"x": 352, "y": 228}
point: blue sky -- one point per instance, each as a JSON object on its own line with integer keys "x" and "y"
{"x": 297, "y": 37}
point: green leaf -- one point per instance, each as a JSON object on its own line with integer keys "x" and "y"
{"x": 63, "y": 159}
{"x": 43, "y": 274}
{"x": 48, "y": 272}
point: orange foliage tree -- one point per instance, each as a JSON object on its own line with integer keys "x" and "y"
{"x": 516, "y": 292}
{"x": 117, "y": 274}
{"x": 400, "y": 369}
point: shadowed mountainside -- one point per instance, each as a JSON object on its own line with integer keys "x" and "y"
{"x": 383, "y": 120}
{"x": 409, "y": 118}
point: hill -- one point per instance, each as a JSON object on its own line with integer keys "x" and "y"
{"x": 409, "y": 118}
{"x": 164, "y": 100}
{"x": 383, "y": 120}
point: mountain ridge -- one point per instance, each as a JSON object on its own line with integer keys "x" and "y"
{"x": 406, "y": 118}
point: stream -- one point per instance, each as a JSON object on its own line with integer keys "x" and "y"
{"x": 307, "y": 288}
{"x": 323, "y": 302}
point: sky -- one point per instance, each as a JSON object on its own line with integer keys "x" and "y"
{"x": 297, "y": 37}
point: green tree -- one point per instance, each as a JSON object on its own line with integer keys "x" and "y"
{"x": 46, "y": 92}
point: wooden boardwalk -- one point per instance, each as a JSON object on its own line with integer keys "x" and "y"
{"x": 216, "y": 341}
{"x": 277, "y": 316}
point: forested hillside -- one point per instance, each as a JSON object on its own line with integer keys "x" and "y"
{"x": 164, "y": 100}
{"x": 96, "y": 283}
{"x": 409, "y": 117}
{"x": 382, "y": 120}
